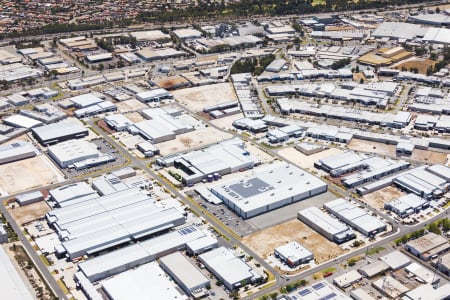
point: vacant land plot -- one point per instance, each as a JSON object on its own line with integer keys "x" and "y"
{"x": 130, "y": 106}
{"x": 28, "y": 173}
{"x": 379, "y": 198}
{"x": 306, "y": 161}
{"x": 197, "y": 98}
{"x": 227, "y": 122}
{"x": 427, "y": 156}
{"x": 194, "y": 139}
{"x": 135, "y": 117}
{"x": 265, "y": 241}
{"x": 372, "y": 147}
{"x": 31, "y": 212}
{"x": 421, "y": 64}
{"x": 263, "y": 156}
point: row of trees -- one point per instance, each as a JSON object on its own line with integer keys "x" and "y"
{"x": 108, "y": 43}
{"x": 435, "y": 227}
{"x": 264, "y": 7}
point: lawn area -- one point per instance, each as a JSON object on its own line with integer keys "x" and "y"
{"x": 318, "y": 2}
{"x": 330, "y": 269}
{"x": 320, "y": 275}
{"x": 375, "y": 250}
{"x": 63, "y": 286}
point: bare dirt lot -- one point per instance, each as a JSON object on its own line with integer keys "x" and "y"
{"x": 306, "y": 161}
{"x": 265, "y": 241}
{"x": 130, "y": 106}
{"x": 28, "y": 213}
{"x": 420, "y": 63}
{"x": 135, "y": 117}
{"x": 263, "y": 156}
{"x": 379, "y": 198}
{"x": 227, "y": 122}
{"x": 372, "y": 147}
{"x": 197, "y": 138}
{"x": 389, "y": 150}
{"x": 28, "y": 173}
{"x": 427, "y": 156}
{"x": 197, "y": 98}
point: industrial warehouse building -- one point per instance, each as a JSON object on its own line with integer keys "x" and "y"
{"x": 111, "y": 183}
{"x": 293, "y": 254}
{"x": 233, "y": 272}
{"x": 30, "y": 197}
{"x": 118, "y": 122}
{"x": 441, "y": 171}
{"x": 58, "y": 132}
{"x": 390, "y": 287}
{"x": 214, "y": 161}
{"x": 276, "y": 65}
{"x": 345, "y": 280}
{"x": 78, "y": 154}
{"x": 428, "y": 291}
{"x": 104, "y": 222}
{"x": 117, "y": 261}
{"x": 329, "y": 227}
{"x": 72, "y": 193}
{"x": 369, "y": 167}
{"x": 146, "y": 282}
{"x": 162, "y": 125}
{"x": 283, "y": 134}
{"x": 407, "y": 205}
{"x": 443, "y": 263}
{"x": 426, "y": 182}
{"x": 271, "y": 187}
{"x": 422, "y": 274}
{"x": 288, "y": 106}
{"x": 155, "y": 95}
{"x": 396, "y": 260}
{"x": 423, "y": 183}
{"x": 355, "y": 217}
{"x": 340, "y": 164}
{"x": 322, "y": 290}
{"x": 374, "y": 269}
{"x": 428, "y": 246}
{"x": 185, "y": 274}
{"x": 16, "y": 151}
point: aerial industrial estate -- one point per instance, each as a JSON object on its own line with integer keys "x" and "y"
{"x": 297, "y": 157}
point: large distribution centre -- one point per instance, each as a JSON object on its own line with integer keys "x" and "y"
{"x": 117, "y": 261}
{"x": 142, "y": 283}
{"x": 102, "y": 223}
{"x": 270, "y": 187}
{"x": 79, "y": 154}
{"x": 59, "y": 132}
